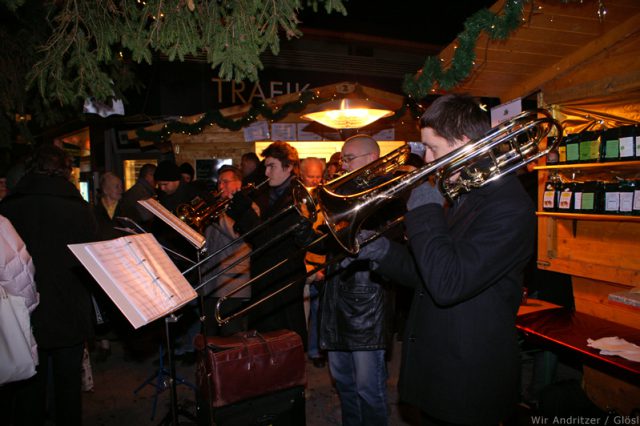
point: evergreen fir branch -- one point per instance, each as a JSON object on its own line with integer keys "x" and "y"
{"x": 86, "y": 34}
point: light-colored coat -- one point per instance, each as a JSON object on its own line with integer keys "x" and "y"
{"x": 16, "y": 270}
{"x": 16, "y": 266}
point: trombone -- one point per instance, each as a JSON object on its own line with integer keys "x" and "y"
{"x": 502, "y": 150}
{"x": 305, "y": 206}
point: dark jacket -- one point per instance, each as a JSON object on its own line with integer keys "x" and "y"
{"x": 49, "y": 213}
{"x": 169, "y": 237}
{"x": 355, "y": 312}
{"x": 460, "y": 359}
{"x": 285, "y": 310}
{"x": 129, "y": 206}
{"x": 106, "y": 225}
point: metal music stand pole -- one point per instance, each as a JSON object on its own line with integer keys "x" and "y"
{"x": 175, "y": 410}
{"x": 173, "y": 413}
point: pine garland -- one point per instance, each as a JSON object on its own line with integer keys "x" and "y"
{"x": 258, "y": 108}
{"x": 432, "y": 77}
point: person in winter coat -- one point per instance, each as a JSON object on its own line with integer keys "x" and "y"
{"x": 354, "y": 312}
{"x": 236, "y": 271}
{"x": 16, "y": 270}
{"x": 49, "y": 213}
{"x": 286, "y": 309}
{"x": 144, "y": 188}
{"x": 460, "y": 361}
{"x": 16, "y": 266}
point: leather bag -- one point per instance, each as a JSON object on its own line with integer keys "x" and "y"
{"x": 248, "y": 364}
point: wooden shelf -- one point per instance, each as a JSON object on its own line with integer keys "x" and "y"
{"x": 634, "y": 165}
{"x": 582, "y": 216}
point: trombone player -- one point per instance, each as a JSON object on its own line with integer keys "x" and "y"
{"x": 460, "y": 361}
{"x": 354, "y": 313}
{"x": 284, "y": 310}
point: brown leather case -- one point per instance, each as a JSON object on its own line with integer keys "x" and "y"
{"x": 248, "y": 364}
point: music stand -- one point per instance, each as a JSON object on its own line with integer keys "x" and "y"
{"x": 144, "y": 284}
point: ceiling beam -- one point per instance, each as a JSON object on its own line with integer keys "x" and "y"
{"x": 620, "y": 32}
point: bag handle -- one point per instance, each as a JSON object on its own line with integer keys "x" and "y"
{"x": 244, "y": 336}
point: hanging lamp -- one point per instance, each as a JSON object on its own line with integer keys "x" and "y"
{"x": 352, "y": 111}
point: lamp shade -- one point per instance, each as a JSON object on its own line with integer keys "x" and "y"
{"x": 350, "y": 112}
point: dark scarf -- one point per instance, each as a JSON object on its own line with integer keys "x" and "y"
{"x": 278, "y": 191}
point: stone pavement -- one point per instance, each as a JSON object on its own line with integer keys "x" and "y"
{"x": 112, "y": 402}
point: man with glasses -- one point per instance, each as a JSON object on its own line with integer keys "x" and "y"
{"x": 354, "y": 319}
{"x": 219, "y": 234}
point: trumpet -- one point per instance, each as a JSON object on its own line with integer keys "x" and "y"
{"x": 199, "y": 213}
{"x": 502, "y": 150}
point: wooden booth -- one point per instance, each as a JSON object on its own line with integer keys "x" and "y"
{"x": 584, "y": 65}
{"x": 211, "y": 145}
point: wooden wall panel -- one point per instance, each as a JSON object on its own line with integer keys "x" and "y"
{"x": 607, "y": 251}
{"x": 591, "y": 297}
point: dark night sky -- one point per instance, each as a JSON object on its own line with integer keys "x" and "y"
{"x": 426, "y": 21}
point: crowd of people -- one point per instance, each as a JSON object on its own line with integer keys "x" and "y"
{"x": 454, "y": 270}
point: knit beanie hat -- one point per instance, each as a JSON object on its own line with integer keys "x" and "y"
{"x": 167, "y": 171}
{"x": 187, "y": 169}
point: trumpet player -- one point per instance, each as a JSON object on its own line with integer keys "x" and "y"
{"x": 460, "y": 361}
{"x": 219, "y": 234}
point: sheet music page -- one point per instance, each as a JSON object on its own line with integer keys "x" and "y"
{"x": 170, "y": 219}
{"x": 137, "y": 275}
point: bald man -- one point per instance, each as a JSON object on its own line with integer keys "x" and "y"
{"x": 353, "y": 319}
{"x": 311, "y": 174}
{"x": 311, "y": 170}
{"x": 358, "y": 151}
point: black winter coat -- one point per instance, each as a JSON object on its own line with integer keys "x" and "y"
{"x": 49, "y": 213}
{"x": 355, "y": 310}
{"x": 353, "y": 314}
{"x": 460, "y": 359}
{"x": 285, "y": 310}
{"x": 106, "y": 225}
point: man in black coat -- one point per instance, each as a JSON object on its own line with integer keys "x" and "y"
{"x": 286, "y": 309}
{"x": 48, "y": 212}
{"x": 354, "y": 312}
{"x": 460, "y": 361}
{"x": 144, "y": 188}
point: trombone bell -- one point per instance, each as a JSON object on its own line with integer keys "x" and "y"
{"x": 500, "y": 151}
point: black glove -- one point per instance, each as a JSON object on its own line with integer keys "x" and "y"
{"x": 304, "y": 234}
{"x": 239, "y": 204}
{"x": 424, "y": 194}
{"x": 373, "y": 250}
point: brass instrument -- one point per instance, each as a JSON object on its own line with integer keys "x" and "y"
{"x": 199, "y": 213}
{"x": 502, "y": 150}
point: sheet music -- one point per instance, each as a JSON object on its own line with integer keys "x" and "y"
{"x": 137, "y": 275}
{"x": 170, "y": 219}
